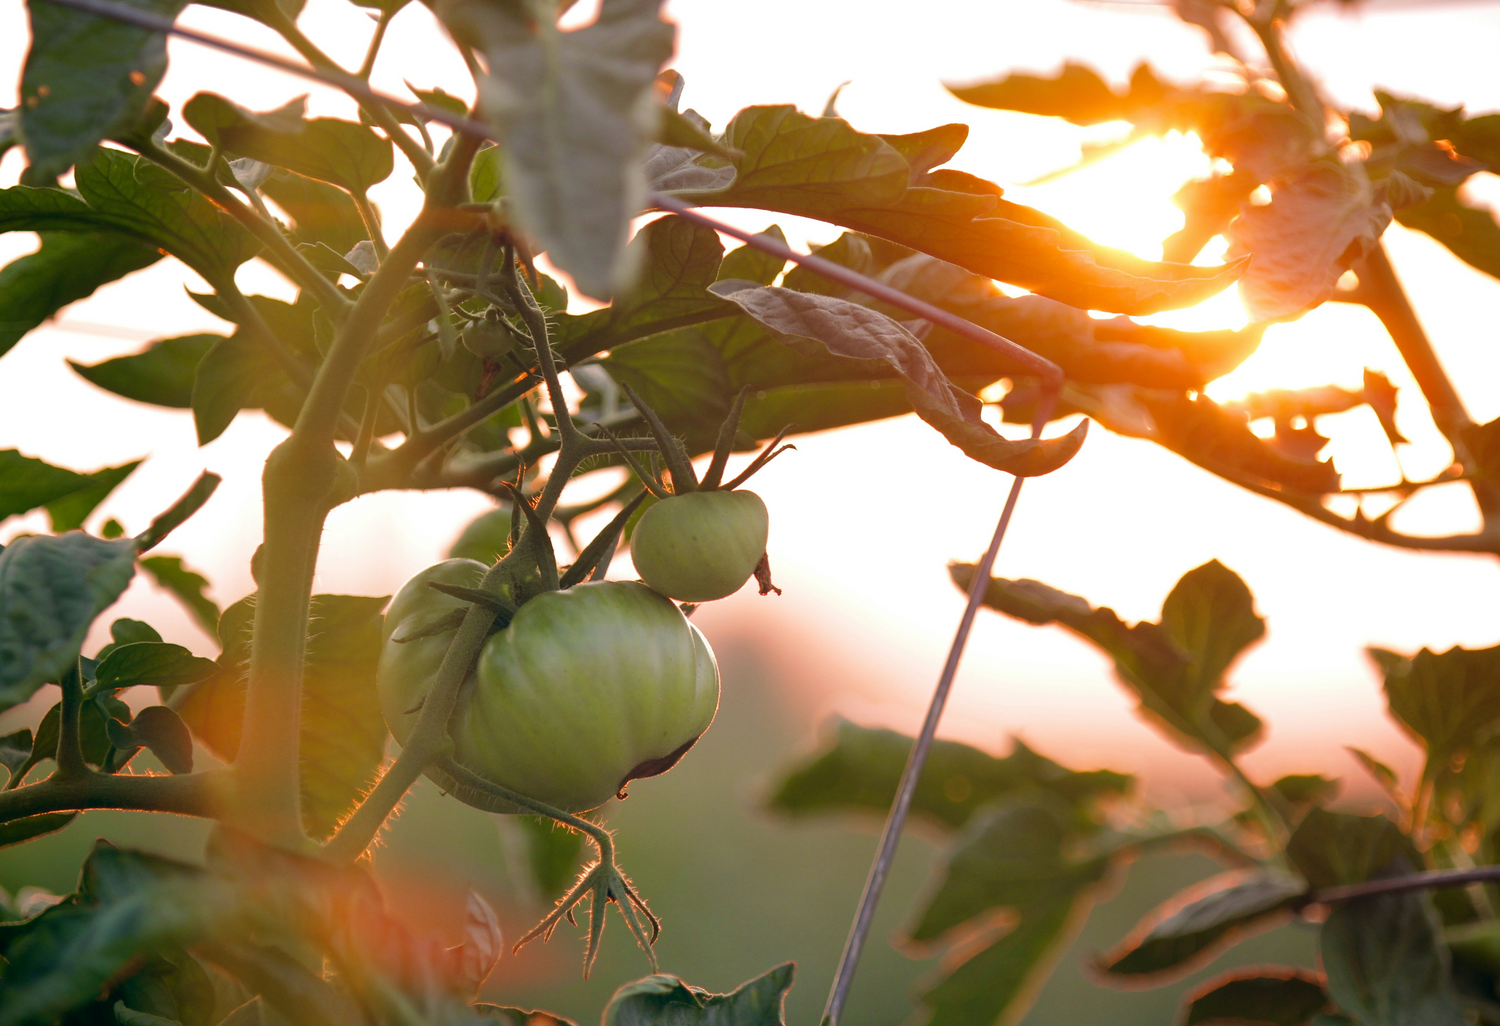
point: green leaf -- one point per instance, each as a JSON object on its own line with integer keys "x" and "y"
{"x": 186, "y": 586}
{"x": 863, "y": 183}
{"x": 69, "y": 266}
{"x": 1284, "y": 998}
{"x": 576, "y": 113}
{"x": 343, "y": 731}
{"x": 126, "y": 1016}
{"x": 511, "y": 1016}
{"x": 1319, "y": 223}
{"x": 1306, "y": 789}
{"x": 552, "y": 852}
{"x": 226, "y": 380}
{"x": 320, "y": 213}
{"x": 15, "y": 749}
{"x": 683, "y": 378}
{"x": 160, "y": 729}
{"x": 750, "y": 264}
{"x": 1331, "y": 849}
{"x": 27, "y": 483}
{"x": 1178, "y": 938}
{"x": 1010, "y": 856}
{"x": 814, "y": 324}
{"x": 1077, "y": 93}
{"x": 51, "y": 589}
{"x": 151, "y": 664}
{"x": 128, "y": 903}
{"x": 1386, "y": 962}
{"x": 666, "y": 999}
{"x": 1174, "y": 667}
{"x": 679, "y": 260}
{"x": 1447, "y": 700}
{"x": 861, "y": 766}
{"x": 161, "y": 374}
{"x": 18, "y": 831}
{"x": 342, "y": 153}
{"x": 86, "y": 78}
{"x": 1470, "y": 232}
{"x": 175, "y": 515}
{"x": 486, "y": 538}
{"x": 487, "y": 175}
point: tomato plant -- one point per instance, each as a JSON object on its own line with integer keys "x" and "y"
{"x": 444, "y": 358}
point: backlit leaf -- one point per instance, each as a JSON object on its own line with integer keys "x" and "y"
{"x": 577, "y": 111}
{"x": 343, "y": 731}
{"x": 27, "y": 483}
{"x": 1469, "y": 231}
{"x": 666, "y": 999}
{"x": 51, "y": 589}
{"x": 861, "y": 767}
{"x": 1446, "y": 700}
{"x": 161, "y": 374}
{"x": 160, "y": 729}
{"x": 1331, "y": 849}
{"x": 1387, "y": 964}
{"x": 813, "y": 324}
{"x": 86, "y": 78}
{"x": 1287, "y": 998}
{"x": 1181, "y": 937}
{"x": 1318, "y": 224}
{"x": 69, "y": 266}
{"x": 151, "y": 664}
{"x": 186, "y": 586}
{"x": 18, "y": 831}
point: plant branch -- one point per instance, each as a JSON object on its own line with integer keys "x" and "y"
{"x": 69, "y": 754}
{"x": 266, "y": 232}
{"x": 371, "y": 218}
{"x": 1437, "y": 879}
{"x": 187, "y": 794}
{"x": 421, "y": 160}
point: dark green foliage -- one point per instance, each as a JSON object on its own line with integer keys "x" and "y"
{"x": 1387, "y": 964}
{"x": 161, "y": 374}
{"x": 158, "y": 728}
{"x": 1288, "y": 999}
{"x": 186, "y": 586}
{"x": 69, "y": 266}
{"x": 1184, "y": 935}
{"x": 1334, "y": 848}
{"x": 1176, "y": 666}
{"x": 667, "y": 1000}
{"x": 50, "y": 591}
{"x": 86, "y": 78}
{"x": 1444, "y": 700}
{"x": 860, "y": 770}
{"x": 27, "y": 483}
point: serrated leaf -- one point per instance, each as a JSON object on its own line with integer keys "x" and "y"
{"x": 1175, "y": 667}
{"x": 86, "y": 78}
{"x": 1285, "y": 998}
{"x": 161, "y": 374}
{"x": 662, "y": 998}
{"x": 1010, "y": 856}
{"x": 160, "y": 729}
{"x": 576, "y": 111}
{"x": 1446, "y": 700}
{"x": 1331, "y": 849}
{"x": 1318, "y": 224}
{"x": 27, "y": 483}
{"x": 69, "y": 266}
{"x": 1178, "y": 938}
{"x": 51, "y": 589}
{"x": 342, "y": 153}
{"x": 814, "y": 324}
{"x": 861, "y": 182}
{"x": 678, "y": 260}
{"x": 861, "y": 766}
{"x": 320, "y": 213}
{"x": 1386, "y": 962}
{"x": 343, "y": 731}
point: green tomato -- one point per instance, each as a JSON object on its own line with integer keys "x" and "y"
{"x": 586, "y": 690}
{"x": 700, "y": 546}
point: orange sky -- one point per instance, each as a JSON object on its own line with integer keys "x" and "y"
{"x": 867, "y": 612}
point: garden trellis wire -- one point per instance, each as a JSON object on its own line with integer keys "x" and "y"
{"x": 1050, "y": 376}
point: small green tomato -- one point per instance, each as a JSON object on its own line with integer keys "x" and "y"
{"x": 587, "y": 689}
{"x": 700, "y": 546}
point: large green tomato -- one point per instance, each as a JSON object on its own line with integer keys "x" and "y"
{"x": 586, "y": 690}
{"x": 700, "y": 546}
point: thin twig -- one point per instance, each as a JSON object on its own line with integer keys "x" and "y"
{"x": 1437, "y": 879}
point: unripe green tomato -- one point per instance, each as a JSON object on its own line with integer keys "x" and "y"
{"x": 586, "y": 690}
{"x": 700, "y": 546}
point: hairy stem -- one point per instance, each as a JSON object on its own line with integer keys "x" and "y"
{"x": 188, "y": 794}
